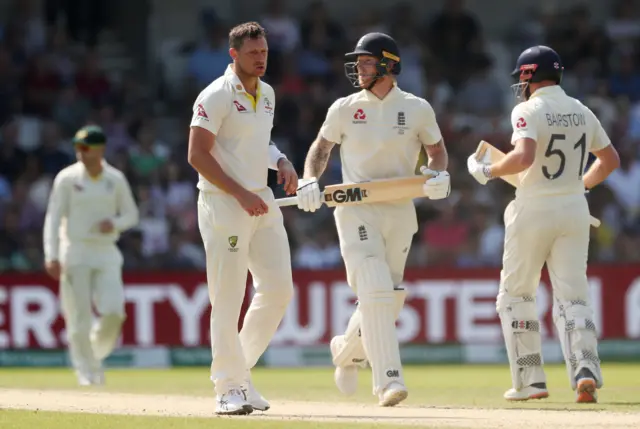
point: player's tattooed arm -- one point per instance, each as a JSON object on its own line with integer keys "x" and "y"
{"x": 437, "y": 155}
{"x": 317, "y": 158}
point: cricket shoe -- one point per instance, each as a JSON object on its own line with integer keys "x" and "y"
{"x": 534, "y": 391}
{"x": 393, "y": 394}
{"x": 84, "y": 378}
{"x": 586, "y": 387}
{"x": 346, "y": 378}
{"x": 233, "y": 403}
{"x": 254, "y": 398}
{"x": 97, "y": 377}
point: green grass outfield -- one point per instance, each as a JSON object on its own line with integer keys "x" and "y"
{"x": 463, "y": 386}
{"x": 48, "y": 420}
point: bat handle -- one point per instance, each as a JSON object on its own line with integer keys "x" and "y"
{"x": 292, "y": 201}
{"x": 289, "y": 201}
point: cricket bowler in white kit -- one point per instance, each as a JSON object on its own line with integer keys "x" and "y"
{"x": 240, "y": 223}
{"x": 89, "y": 206}
{"x": 381, "y": 131}
{"x": 548, "y": 222}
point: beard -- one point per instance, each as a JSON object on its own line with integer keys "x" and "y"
{"x": 251, "y": 71}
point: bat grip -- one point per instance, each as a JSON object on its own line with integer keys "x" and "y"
{"x": 289, "y": 201}
{"x": 292, "y": 201}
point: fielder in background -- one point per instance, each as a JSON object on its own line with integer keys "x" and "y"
{"x": 548, "y": 222}
{"x": 240, "y": 224}
{"x": 381, "y": 131}
{"x": 89, "y": 206}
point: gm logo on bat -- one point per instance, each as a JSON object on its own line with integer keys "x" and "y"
{"x": 351, "y": 195}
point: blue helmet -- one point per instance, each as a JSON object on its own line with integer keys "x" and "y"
{"x": 536, "y": 64}
{"x": 379, "y": 45}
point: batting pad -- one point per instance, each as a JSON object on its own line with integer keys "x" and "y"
{"x": 578, "y": 338}
{"x": 352, "y": 352}
{"x": 105, "y": 334}
{"x": 521, "y": 329}
{"x": 378, "y": 325}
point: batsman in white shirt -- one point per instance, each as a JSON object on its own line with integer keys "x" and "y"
{"x": 240, "y": 224}
{"x": 381, "y": 131}
{"x": 548, "y": 222}
{"x": 89, "y": 206}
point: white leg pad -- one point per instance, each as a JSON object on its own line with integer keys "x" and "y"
{"x": 352, "y": 350}
{"x": 521, "y": 330}
{"x": 105, "y": 334}
{"x": 578, "y": 338}
{"x": 378, "y": 325}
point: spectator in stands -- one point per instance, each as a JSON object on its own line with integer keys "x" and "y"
{"x": 52, "y": 83}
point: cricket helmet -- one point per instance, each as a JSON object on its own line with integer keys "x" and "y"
{"x": 536, "y": 64}
{"x": 379, "y": 45}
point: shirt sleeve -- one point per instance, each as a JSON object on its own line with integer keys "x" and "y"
{"x": 523, "y": 124}
{"x": 57, "y": 208}
{"x": 600, "y": 137}
{"x": 210, "y": 109}
{"x": 331, "y": 129}
{"x": 128, "y": 214}
{"x": 429, "y": 131}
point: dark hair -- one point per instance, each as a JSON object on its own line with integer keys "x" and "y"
{"x": 247, "y": 30}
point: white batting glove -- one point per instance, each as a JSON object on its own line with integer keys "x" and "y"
{"x": 479, "y": 169}
{"x": 309, "y": 195}
{"x": 438, "y": 186}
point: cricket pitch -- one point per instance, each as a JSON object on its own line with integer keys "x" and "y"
{"x": 431, "y": 414}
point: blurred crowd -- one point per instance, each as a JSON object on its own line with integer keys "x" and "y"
{"x": 52, "y": 82}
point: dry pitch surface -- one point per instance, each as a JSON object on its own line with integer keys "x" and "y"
{"x": 55, "y": 393}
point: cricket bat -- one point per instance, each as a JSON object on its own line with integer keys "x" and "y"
{"x": 373, "y": 191}
{"x": 495, "y": 155}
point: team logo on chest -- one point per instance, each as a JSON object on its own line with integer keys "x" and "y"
{"x": 239, "y": 106}
{"x": 359, "y": 117}
{"x": 401, "y": 123}
{"x": 268, "y": 107}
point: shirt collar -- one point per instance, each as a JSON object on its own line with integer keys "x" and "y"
{"x": 548, "y": 90}
{"x": 235, "y": 80}
{"x": 395, "y": 91}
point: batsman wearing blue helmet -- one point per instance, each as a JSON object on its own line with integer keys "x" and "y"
{"x": 548, "y": 222}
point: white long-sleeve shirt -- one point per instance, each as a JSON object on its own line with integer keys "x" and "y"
{"x": 77, "y": 205}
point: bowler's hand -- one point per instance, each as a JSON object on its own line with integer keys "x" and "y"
{"x": 53, "y": 269}
{"x": 438, "y": 186}
{"x": 106, "y": 226}
{"x": 252, "y": 203}
{"x": 287, "y": 175}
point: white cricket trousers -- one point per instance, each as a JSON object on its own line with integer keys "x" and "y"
{"x": 234, "y": 243}
{"x": 374, "y": 242}
{"x": 82, "y": 285}
{"x": 552, "y": 230}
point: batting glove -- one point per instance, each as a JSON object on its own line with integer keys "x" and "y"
{"x": 478, "y": 169}
{"x": 309, "y": 195}
{"x": 438, "y": 186}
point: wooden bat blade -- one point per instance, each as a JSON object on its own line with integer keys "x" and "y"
{"x": 375, "y": 191}
{"x": 494, "y": 155}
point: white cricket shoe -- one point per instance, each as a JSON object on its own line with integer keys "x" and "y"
{"x": 84, "y": 378}
{"x": 233, "y": 403}
{"x": 97, "y": 378}
{"x": 393, "y": 394}
{"x": 254, "y": 398}
{"x": 346, "y": 378}
{"x": 526, "y": 393}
